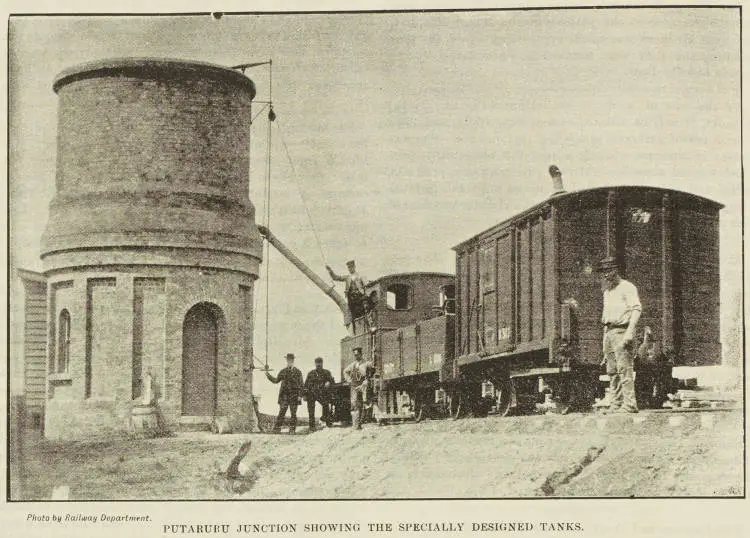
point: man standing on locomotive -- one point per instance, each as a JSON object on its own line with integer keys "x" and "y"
{"x": 355, "y": 289}
{"x": 357, "y": 374}
{"x": 620, "y": 315}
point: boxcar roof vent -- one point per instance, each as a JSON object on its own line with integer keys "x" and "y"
{"x": 557, "y": 182}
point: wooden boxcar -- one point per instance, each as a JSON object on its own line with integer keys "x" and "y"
{"x": 529, "y": 299}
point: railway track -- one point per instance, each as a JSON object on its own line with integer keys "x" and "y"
{"x": 681, "y": 421}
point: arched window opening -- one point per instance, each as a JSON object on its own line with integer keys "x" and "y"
{"x": 63, "y": 342}
{"x": 398, "y": 297}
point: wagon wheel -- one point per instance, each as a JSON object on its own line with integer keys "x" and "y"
{"x": 575, "y": 392}
{"x": 659, "y": 391}
{"x": 505, "y": 396}
{"x": 650, "y": 389}
{"x": 454, "y": 406}
{"x": 420, "y": 414}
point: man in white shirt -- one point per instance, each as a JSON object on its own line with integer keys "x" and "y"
{"x": 620, "y": 315}
{"x": 354, "y": 290}
{"x": 358, "y": 374}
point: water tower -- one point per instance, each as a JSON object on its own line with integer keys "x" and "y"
{"x": 151, "y": 248}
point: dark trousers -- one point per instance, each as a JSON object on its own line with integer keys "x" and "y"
{"x": 356, "y": 304}
{"x": 311, "y": 410}
{"x": 280, "y": 418}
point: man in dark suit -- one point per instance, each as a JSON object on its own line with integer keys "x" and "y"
{"x": 290, "y": 393}
{"x": 315, "y": 391}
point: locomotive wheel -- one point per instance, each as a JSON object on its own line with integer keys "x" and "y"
{"x": 564, "y": 394}
{"x": 575, "y": 392}
{"x": 481, "y": 408}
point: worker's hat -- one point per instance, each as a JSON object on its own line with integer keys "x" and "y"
{"x": 350, "y": 262}
{"x": 357, "y": 349}
{"x": 607, "y": 264}
{"x": 290, "y": 356}
{"x": 319, "y": 360}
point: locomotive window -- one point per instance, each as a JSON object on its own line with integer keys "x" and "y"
{"x": 640, "y": 216}
{"x": 398, "y": 297}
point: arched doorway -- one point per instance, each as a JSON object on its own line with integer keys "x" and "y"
{"x": 200, "y": 343}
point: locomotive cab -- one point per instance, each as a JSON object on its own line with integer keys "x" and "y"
{"x": 398, "y": 300}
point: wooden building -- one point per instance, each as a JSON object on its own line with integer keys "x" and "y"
{"x": 28, "y": 344}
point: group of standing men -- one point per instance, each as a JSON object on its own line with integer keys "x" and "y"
{"x": 314, "y": 389}
{"x": 292, "y": 390}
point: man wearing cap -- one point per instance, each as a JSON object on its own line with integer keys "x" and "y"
{"x": 355, "y": 289}
{"x": 358, "y": 374}
{"x": 289, "y": 393}
{"x": 315, "y": 391}
{"x": 621, "y": 312}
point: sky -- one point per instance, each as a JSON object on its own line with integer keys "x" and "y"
{"x": 403, "y": 134}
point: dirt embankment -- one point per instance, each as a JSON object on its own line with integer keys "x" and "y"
{"x": 572, "y": 456}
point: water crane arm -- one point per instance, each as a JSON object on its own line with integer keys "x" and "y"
{"x": 326, "y": 288}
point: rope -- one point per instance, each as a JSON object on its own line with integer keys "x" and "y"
{"x": 255, "y": 295}
{"x": 268, "y": 226}
{"x": 258, "y": 114}
{"x": 266, "y": 195}
{"x": 301, "y": 195}
{"x": 268, "y": 198}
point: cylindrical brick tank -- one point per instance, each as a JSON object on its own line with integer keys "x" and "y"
{"x": 152, "y": 153}
{"x": 151, "y": 247}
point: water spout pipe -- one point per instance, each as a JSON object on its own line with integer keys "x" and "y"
{"x": 328, "y": 289}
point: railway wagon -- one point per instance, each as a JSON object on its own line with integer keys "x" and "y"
{"x": 528, "y": 301}
{"x": 408, "y": 334}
